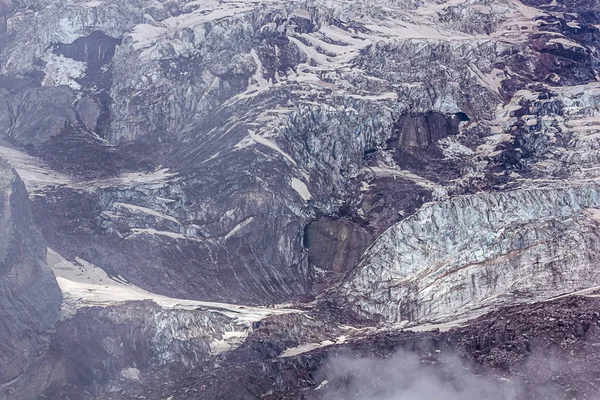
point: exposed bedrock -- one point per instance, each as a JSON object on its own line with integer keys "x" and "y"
{"x": 51, "y": 108}
{"x": 401, "y": 161}
{"x": 132, "y": 345}
{"x": 29, "y": 296}
{"x": 335, "y": 244}
{"x": 96, "y": 49}
{"x": 420, "y": 132}
{"x": 539, "y": 351}
{"x": 265, "y": 117}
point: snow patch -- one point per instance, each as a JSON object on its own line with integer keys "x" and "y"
{"x": 92, "y": 4}
{"x": 453, "y": 149}
{"x": 493, "y": 80}
{"x": 566, "y": 43}
{"x": 62, "y": 71}
{"x": 154, "y": 232}
{"x": 84, "y": 284}
{"x": 593, "y": 213}
{"x": 238, "y": 227}
{"x": 426, "y": 183}
{"x": 228, "y": 341}
{"x": 133, "y": 374}
{"x": 376, "y": 97}
{"x": 36, "y": 175}
{"x": 156, "y": 179}
{"x": 39, "y": 177}
{"x": 322, "y": 385}
{"x": 144, "y": 210}
{"x": 301, "y": 188}
{"x": 258, "y": 75}
{"x": 306, "y": 347}
{"x": 265, "y": 142}
{"x": 146, "y": 35}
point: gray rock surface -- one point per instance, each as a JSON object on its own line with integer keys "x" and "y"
{"x": 266, "y": 116}
{"x": 29, "y": 295}
{"x": 399, "y": 162}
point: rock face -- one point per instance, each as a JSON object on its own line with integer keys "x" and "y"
{"x": 29, "y": 296}
{"x": 399, "y": 163}
{"x": 422, "y": 132}
{"x": 266, "y": 117}
{"x": 480, "y": 251}
{"x": 132, "y": 345}
{"x": 544, "y": 350}
{"x": 523, "y": 240}
{"x": 335, "y": 244}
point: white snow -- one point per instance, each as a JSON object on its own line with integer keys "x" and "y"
{"x": 39, "y": 177}
{"x": 302, "y": 13}
{"x": 377, "y": 97}
{"x": 423, "y": 182}
{"x": 306, "y": 347}
{"x": 152, "y": 180}
{"x": 593, "y": 213}
{"x": 493, "y": 80}
{"x": 322, "y": 385}
{"x": 154, "y": 232}
{"x": 443, "y": 327}
{"x": 340, "y": 35}
{"x": 62, "y": 71}
{"x": 131, "y": 373}
{"x": 301, "y": 188}
{"x": 453, "y": 149}
{"x": 491, "y": 142}
{"x": 565, "y": 43}
{"x": 36, "y": 175}
{"x": 310, "y": 52}
{"x": 257, "y": 83}
{"x": 364, "y": 186}
{"x": 145, "y": 35}
{"x": 85, "y": 285}
{"x": 334, "y": 49}
{"x": 265, "y": 142}
{"x": 144, "y": 210}
{"x": 92, "y": 4}
{"x": 258, "y": 75}
{"x": 305, "y": 75}
{"x": 588, "y": 292}
{"x": 229, "y": 340}
{"x": 238, "y": 227}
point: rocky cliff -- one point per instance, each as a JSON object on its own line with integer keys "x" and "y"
{"x": 226, "y": 180}
{"x": 29, "y": 296}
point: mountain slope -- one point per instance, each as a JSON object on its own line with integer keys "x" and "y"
{"x": 29, "y": 296}
{"x": 362, "y": 166}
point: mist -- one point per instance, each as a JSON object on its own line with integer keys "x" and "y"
{"x": 404, "y": 376}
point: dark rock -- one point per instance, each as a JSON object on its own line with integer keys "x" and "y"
{"x": 335, "y": 244}
{"x": 420, "y": 132}
{"x": 29, "y": 296}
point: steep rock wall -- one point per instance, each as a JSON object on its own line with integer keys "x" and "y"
{"x": 29, "y": 295}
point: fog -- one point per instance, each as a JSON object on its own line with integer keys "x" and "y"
{"x": 405, "y": 377}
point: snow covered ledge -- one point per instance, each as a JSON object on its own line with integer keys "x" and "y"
{"x": 86, "y": 285}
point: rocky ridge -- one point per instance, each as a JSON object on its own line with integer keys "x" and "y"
{"x": 398, "y": 163}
